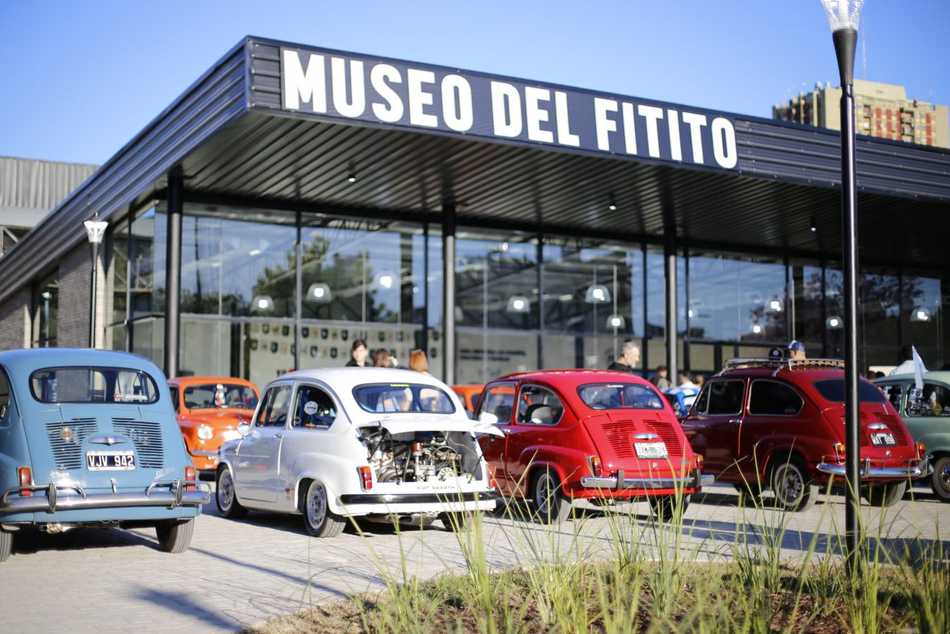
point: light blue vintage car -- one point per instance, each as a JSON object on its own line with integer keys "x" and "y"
{"x": 89, "y": 438}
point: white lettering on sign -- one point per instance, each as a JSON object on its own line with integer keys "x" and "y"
{"x": 602, "y": 123}
{"x": 457, "y": 108}
{"x": 304, "y": 86}
{"x": 724, "y": 142}
{"x": 419, "y": 98}
{"x": 348, "y": 107}
{"x": 629, "y": 128}
{"x": 652, "y": 116}
{"x": 673, "y": 121}
{"x": 506, "y": 109}
{"x": 535, "y": 114}
{"x": 380, "y": 78}
{"x": 695, "y": 123}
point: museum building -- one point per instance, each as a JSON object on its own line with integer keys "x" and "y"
{"x": 295, "y": 198}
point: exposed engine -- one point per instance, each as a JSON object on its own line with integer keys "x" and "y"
{"x": 420, "y": 456}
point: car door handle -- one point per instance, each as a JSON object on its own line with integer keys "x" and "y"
{"x": 735, "y": 420}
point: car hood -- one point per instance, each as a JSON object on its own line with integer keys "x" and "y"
{"x": 409, "y": 423}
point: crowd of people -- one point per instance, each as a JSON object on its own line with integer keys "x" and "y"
{"x": 361, "y": 357}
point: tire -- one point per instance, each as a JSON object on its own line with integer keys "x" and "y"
{"x": 550, "y": 504}
{"x": 791, "y": 484}
{"x": 6, "y": 544}
{"x": 750, "y": 489}
{"x": 885, "y": 494}
{"x": 318, "y": 519}
{"x": 457, "y": 521}
{"x": 174, "y": 536}
{"x": 940, "y": 480}
{"x": 664, "y": 507}
{"x": 226, "y": 497}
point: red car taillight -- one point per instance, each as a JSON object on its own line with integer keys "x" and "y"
{"x": 25, "y": 478}
{"x": 366, "y": 477}
{"x": 699, "y": 462}
{"x": 191, "y": 476}
{"x": 921, "y": 450}
{"x": 593, "y": 463}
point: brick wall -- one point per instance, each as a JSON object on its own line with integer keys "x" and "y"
{"x": 14, "y": 320}
{"x": 72, "y": 328}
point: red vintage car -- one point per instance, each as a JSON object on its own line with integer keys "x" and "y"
{"x": 210, "y": 409}
{"x": 780, "y": 425}
{"x": 586, "y": 434}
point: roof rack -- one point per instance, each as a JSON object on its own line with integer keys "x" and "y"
{"x": 783, "y": 364}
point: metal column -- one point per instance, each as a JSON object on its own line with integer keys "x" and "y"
{"x": 448, "y": 292}
{"x": 176, "y": 187}
{"x": 298, "y": 290}
{"x": 669, "y": 262}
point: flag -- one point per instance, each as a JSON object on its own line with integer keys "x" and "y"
{"x": 919, "y": 369}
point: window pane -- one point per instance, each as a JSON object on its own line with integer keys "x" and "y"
{"x": 499, "y": 400}
{"x": 402, "y": 397}
{"x": 93, "y": 385}
{"x": 922, "y": 321}
{"x": 619, "y": 396}
{"x": 315, "y": 409}
{"x": 147, "y": 263}
{"x": 833, "y": 390}
{"x": 770, "y": 398}
{"x": 539, "y": 406}
{"x": 219, "y": 395}
{"x": 725, "y": 397}
{"x": 273, "y": 413}
{"x": 934, "y": 400}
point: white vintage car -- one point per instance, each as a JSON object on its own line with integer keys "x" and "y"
{"x": 334, "y": 443}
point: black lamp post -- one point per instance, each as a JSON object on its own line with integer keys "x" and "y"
{"x": 844, "y": 17}
{"x": 95, "y": 231}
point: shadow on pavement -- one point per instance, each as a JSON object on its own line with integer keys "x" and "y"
{"x": 183, "y": 603}
{"x": 29, "y": 541}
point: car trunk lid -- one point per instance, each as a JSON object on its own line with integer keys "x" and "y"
{"x": 616, "y": 433}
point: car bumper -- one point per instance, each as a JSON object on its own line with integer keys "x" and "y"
{"x": 694, "y": 480}
{"x": 411, "y": 503}
{"x": 50, "y": 498}
{"x": 913, "y": 470}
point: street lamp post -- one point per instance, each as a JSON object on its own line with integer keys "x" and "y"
{"x": 95, "y": 231}
{"x": 844, "y": 17}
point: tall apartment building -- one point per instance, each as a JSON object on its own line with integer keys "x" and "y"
{"x": 881, "y": 110}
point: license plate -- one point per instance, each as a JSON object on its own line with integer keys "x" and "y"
{"x": 882, "y": 438}
{"x": 651, "y": 449}
{"x": 110, "y": 460}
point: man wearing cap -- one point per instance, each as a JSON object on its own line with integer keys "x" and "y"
{"x": 796, "y": 350}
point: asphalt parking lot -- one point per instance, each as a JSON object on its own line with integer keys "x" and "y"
{"x": 239, "y": 573}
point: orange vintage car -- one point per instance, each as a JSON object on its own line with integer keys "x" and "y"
{"x": 469, "y": 395}
{"x": 210, "y": 409}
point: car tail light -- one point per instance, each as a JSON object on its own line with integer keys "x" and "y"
{"x": 699, "y": 461}
{"x": 191, "y": 476}
{"x": 25, "y": 478}
{"x": 366, "y": 477}
{"x": 593, "y": 462}
{"x": 921, "y": 450}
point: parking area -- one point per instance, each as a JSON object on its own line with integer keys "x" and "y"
{"x": 239, "y": 573}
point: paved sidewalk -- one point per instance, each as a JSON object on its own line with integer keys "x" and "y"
{"x": 241, "y": 573}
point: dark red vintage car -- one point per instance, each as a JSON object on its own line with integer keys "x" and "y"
{"x": 780, "y": 425}
{"x": 586, "y": 434}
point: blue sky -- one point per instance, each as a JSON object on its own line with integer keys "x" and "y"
{"x": 81, "y": 78}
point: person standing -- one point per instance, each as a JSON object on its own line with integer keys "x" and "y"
{"x": 358, "y": 354}
{"x": 628, "y": 359}
{"x": 418, "y": 361}
{"x": 662, "y": 380}
{"x": 381, "y": 358}
{"x": 796, "y": 351}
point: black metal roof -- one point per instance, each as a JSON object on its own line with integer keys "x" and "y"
{"x": 237, "y": 145}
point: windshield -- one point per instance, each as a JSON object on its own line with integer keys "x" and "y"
{"x": 93, "y": 385}
{"x": 619, "y": 396}
{"x": 403, "y": 397}
{"x": 220, "y": 395}
{"x": 833, "y": 390}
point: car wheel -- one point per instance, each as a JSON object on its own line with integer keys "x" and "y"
{"x": 318, "y": 519}
{"x": 749, "y": 489}
{"x": 885, "y": 494}
{"x": 665, "y": 507}
{"x": 175, "y": 536}
{"x": 791, "y": 485}
{"x": 6, "y": 544}
{"x": 940, "y": 480}
{"x": 457, "y": 521}
{"x": 226, "y": 497}
{"x": 550, "y": 503}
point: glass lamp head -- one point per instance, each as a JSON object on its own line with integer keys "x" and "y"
{"x": 843, "y": 14}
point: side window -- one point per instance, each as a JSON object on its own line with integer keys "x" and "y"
{"x": 315, "y": 409}
{"x": 174, "y": 393}
{"x": 273, "y": 412}
{"x": 538, "y": 406}
{"x": 499, "y": 400}
{"x": 5, "y": 398}
{"x": 893, "y": 392}
{"x": 934, "y": 400}
{"x": 702, "y": 401}
{"x": 725, "y": 397}
{"x": 771, "y": 398}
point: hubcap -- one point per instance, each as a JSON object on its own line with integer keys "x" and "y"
{"x": 789, "y": 484}
{"x": 225, "y": 491}
{"x": 316, "y": 505}
{"x": 545, "y": 493}
{"x": 945, "y": 477}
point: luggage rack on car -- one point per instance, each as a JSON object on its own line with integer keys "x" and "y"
{"x": 783, "y": 364}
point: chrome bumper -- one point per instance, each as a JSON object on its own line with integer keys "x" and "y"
{"x": 694, "y": 480}
{"x": 165, "y": 494}
{"x": 919, "y": 470}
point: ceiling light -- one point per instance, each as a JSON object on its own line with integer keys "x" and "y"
{"x": 518, "y": 304}
{"x": 597, "y": 294}
{"x": 756, "y": 329}
{"x": 813, "y": 226}
{"x": 834, "y": 322}
{"x": 504, "y": 247}
{"x": 920, "y": 314}
{"x": 612, "y": 205}
{"x": 263, "y": 303}
{"x": 615, "y": 321}
{"x": 351, "y": 173}
{"x": 254, "y": 252}
{"x": 566, "y": 297}
{"x": 775, "y": 305}
{"x": 385, "y": 280}
{"x": 319, "y": 293}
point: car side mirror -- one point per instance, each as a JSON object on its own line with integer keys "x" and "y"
{"x": 488, "y": 418}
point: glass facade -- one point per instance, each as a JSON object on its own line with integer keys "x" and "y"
{"x": 257, "y": 285}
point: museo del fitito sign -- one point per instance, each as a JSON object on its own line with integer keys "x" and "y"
{"x": 407, "y": 95}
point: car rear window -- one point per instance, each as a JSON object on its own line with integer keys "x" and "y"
{"x": 833, "y": 390}
{"x": 619, "y": 396}
{"x": 93, "y": 384}
{"x": 220, "y": 395}
{"x": 394, "y": 398}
